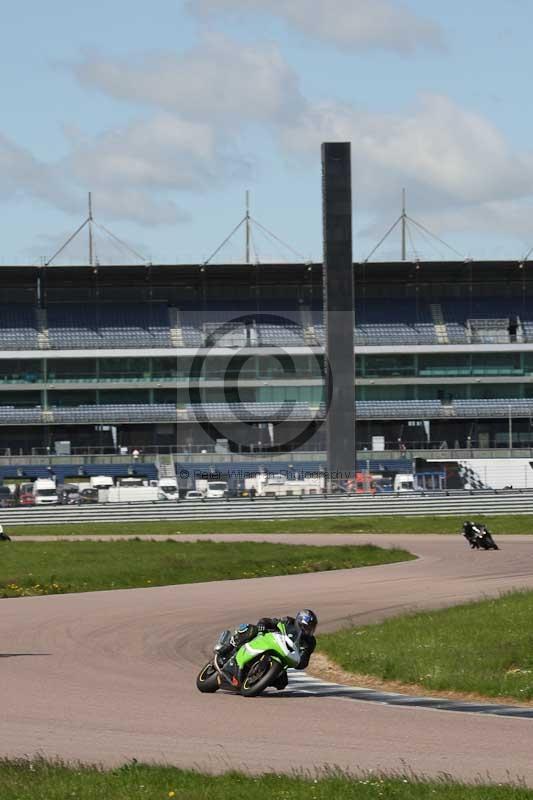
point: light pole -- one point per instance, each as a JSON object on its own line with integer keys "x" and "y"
{"x": 510, "y": 431}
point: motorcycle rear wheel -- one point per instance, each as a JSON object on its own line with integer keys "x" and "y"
{"x": 257, "y": 679}
{"x": 208, "y": 680}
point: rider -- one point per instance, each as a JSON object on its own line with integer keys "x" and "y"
{"x": 301, "y": 627}
{"x": 471, "y": 531}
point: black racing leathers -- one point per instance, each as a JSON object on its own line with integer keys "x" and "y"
{"x": 307, "y": 643}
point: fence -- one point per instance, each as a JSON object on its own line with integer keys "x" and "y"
{"x": 464, "y": 505}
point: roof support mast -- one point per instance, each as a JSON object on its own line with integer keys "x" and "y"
{"x": 404, "y": 227}
{"x": 90, "y": 225}
{"x": 247, "y": 219}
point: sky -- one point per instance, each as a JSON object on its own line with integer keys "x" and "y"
{"x": 168, "y": 112}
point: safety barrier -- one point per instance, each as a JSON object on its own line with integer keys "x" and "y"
{"x": 461, "y": 504}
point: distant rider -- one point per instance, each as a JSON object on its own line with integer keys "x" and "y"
{"x": 300, "y": 628}
{"x": 471, "y": 532}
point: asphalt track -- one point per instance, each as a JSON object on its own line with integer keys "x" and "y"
{"x": 109, "y": 676}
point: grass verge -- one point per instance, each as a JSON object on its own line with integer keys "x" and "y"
{"x": 24, "y": 780}
{"x": 375, "y": 524}
{"x": 37, "y": 568}
{"x": 485, "y": 648}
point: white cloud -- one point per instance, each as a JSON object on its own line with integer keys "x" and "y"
{"x": 382, "y": 24}
{"x": 443, "y": 153}
{"x": 134, "y": 168}
{"x": 217, "y": 80}
{"x": 496, "y": 217}
{"x": 23, "y": 175}
{"x": 207, "y": 102}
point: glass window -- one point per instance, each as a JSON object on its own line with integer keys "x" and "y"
{"x": 71, "y": 369}
{"x": 18, "y": 370}
{"x": 403, "y": 392}
{"x": 124, "y": 396}
{"x": 163, "y": 367}
{"x": 124, "y": 368}
{"x": 496, "y": 364}
{"x": 71, "y": 398}
{"x": 388, "y": 365}
{"x": 444, "y": 364}
{"x": 490, "y": 391}
{"x": 165, "y": 396}
{"x": 20, "y": 399}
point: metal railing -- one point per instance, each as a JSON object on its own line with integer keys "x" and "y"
{"x": 208, "y": 453}
{"x": 464, "y": 505}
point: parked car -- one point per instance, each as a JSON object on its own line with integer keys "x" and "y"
{"x": 194, "y": 494}
{"x": 6, "y": 498}
{"x": 68, "y": 494}
{"x": 89, "y": 495}
{"x": 27, "y": 499}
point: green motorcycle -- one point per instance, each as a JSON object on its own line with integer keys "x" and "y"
{"x": 260, "y": 662}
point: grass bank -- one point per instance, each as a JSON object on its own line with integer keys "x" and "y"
{"x": 23, "y": 780}
{"x": 484, "y": 648}
{"x": 375, "y": 524}
{"x": 37, "y": 568}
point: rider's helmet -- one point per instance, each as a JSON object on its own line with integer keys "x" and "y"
{"x": 306, "y": 620}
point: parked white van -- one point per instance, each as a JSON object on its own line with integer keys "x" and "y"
{"x": 45, "y": 492}
{"x": 101, "y": 482}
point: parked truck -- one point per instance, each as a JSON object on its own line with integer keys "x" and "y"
{"x": 167, "y": 489}
{"x": 278, "y": 485}
{"x": 212, "y": 490}
{"x": 129, "y": 494}
{"x": 45, "y": 492}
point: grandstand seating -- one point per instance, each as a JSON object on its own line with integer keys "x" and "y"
{"x": 12, "y": 415}
{"x": 227, "y": 471}
{"x": 239, "y": 324}
{"x": 261, "y": 411}
{"x": 248, "y": 412}
{"x": 18, "y": 327}
{"x": 493, "y": 408}
{"x": 82, "y": 471}
{"x": 407, "y": 409}
{"x": 73, "y": 326}
{"x": 272, "y": 323}
{"x": 114, "y": 413}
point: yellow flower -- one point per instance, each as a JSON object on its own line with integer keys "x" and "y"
{"x": 172, "y": 794}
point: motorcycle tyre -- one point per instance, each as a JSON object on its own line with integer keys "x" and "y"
{"x": 209, "y": 684}
{"x": 268, "y": 678}
{"x": 488, "y": 543}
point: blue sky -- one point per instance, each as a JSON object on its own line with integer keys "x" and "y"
{"x": 169, "y": 111}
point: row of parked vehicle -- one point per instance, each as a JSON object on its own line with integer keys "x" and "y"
{"x": 44, "y": 491}
{"x": 100, "y": 488}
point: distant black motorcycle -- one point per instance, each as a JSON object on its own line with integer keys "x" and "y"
{"x": 478, "y": 536}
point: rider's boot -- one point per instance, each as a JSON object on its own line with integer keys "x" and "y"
{"x": 281, "y": 681}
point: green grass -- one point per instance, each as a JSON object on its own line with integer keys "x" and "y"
{"x": 36, "y": 568}
{"x": 483, "y": 647}
{"x": 375, "y": 524}
{"x": 24, "y": 780}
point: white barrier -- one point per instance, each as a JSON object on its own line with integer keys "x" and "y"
{"x": 464, "y": 505}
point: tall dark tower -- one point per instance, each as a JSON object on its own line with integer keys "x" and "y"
{"x": 339, "y": 307}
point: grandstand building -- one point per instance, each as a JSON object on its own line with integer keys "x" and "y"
{"x": 230, "y": 358}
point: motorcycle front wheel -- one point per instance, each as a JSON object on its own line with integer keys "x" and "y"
{"x": 261, "y": 674}
{"x": 208, "y": 680}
